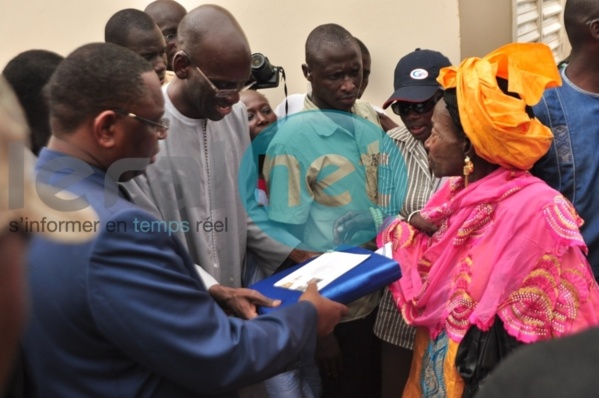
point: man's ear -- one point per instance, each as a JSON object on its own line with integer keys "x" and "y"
{"x": 181, "y": 65}
{"x": 307, "y": 73}
{"x": 105, "y": 129}
{"x": 594, "y": 28}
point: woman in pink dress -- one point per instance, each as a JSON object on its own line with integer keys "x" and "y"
{"x": 495, "y": 248}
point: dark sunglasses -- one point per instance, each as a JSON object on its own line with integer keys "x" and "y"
{"x": 402, "y": 108}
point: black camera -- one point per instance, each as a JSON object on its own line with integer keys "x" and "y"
{"x": 263, "y": 73}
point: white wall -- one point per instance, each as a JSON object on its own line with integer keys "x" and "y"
{"x": 485, "y": 26}
{"x": 276, "y": 28}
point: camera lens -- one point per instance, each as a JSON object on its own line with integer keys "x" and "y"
{"x": 258, "y": 60}
{"x": 264, "y": 75}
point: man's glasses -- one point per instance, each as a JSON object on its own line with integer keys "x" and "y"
{"x": 592, "y": 21}
{"x": 403, "y": 108}
{"x": 220, "y": 92}
{"x": 159, "y": 127}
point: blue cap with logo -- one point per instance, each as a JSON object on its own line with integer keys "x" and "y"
{"x": 416, "y": 76}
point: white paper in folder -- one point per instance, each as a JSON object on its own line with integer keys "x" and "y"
{"x": 322, "y": 270}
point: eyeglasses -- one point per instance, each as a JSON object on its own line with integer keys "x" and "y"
{"x": 592, "y": 21}
{"x": 159, "y": 127}
{"x": 402, "y": 108}
{"x": 220, "y": 92}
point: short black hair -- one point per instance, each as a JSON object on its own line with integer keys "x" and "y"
{"x": 93, "y": 78}
{"x": 326, "y": 35}
{"x": 120, "y": 24}
{"x": 451, "y": 103}
{"x": 28, "y": 73}
{"x": 363, "y": 47}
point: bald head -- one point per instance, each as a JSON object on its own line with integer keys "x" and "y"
{"x": 326, "y": 36}
{"x": 213, "y": 54}
{"x": 212, "y": 27}
{"x": 577, "y": 14}
{"x": 162, "y": 8}
{"x": 167, "y": 14}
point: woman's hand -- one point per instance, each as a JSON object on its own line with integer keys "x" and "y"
{"x": 417, "y": 221}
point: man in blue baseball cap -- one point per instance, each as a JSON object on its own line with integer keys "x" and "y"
{"x": 416, "y": 93}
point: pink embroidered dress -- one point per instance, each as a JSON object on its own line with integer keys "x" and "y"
{"x": 507, "y": 245}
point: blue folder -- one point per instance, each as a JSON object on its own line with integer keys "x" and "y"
{"x": 372, "y": 274}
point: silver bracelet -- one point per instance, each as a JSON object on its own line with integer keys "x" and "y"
{"x": 412, "y": 215}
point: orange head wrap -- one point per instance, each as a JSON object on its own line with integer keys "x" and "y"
{"x": 497, "y": 124}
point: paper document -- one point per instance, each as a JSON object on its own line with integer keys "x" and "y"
{"x": 322, "y": 270}
{"x": 386, "y": 250}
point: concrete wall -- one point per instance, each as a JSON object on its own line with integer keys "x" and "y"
{"x": 276, "y": 28}
{"x": 484, "y": 26}
{"x": 488, "y": 24}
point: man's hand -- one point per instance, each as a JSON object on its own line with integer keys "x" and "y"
{"x": 329, "y": 312}
{"x": 386, "y": 122}
{"x": 240, "y": 302}
{"x": 299, "y": 256}
{"x": 328, "y": 356}
{"x": 351, "y": 222}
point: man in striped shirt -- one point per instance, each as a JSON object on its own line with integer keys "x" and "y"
{"x": 416, "y": 93}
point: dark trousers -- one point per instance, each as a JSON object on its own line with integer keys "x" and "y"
{"x": 361, "y": 353}
{"x": 20, "y": 382}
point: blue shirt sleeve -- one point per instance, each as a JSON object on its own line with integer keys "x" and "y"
{"x": 147, "y": 299}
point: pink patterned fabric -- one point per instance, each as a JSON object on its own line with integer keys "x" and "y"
{"x": 507, "y": 245}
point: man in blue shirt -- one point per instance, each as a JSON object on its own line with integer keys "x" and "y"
{"x": 126, "y": 314}
{"x": 571, "y": 111}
